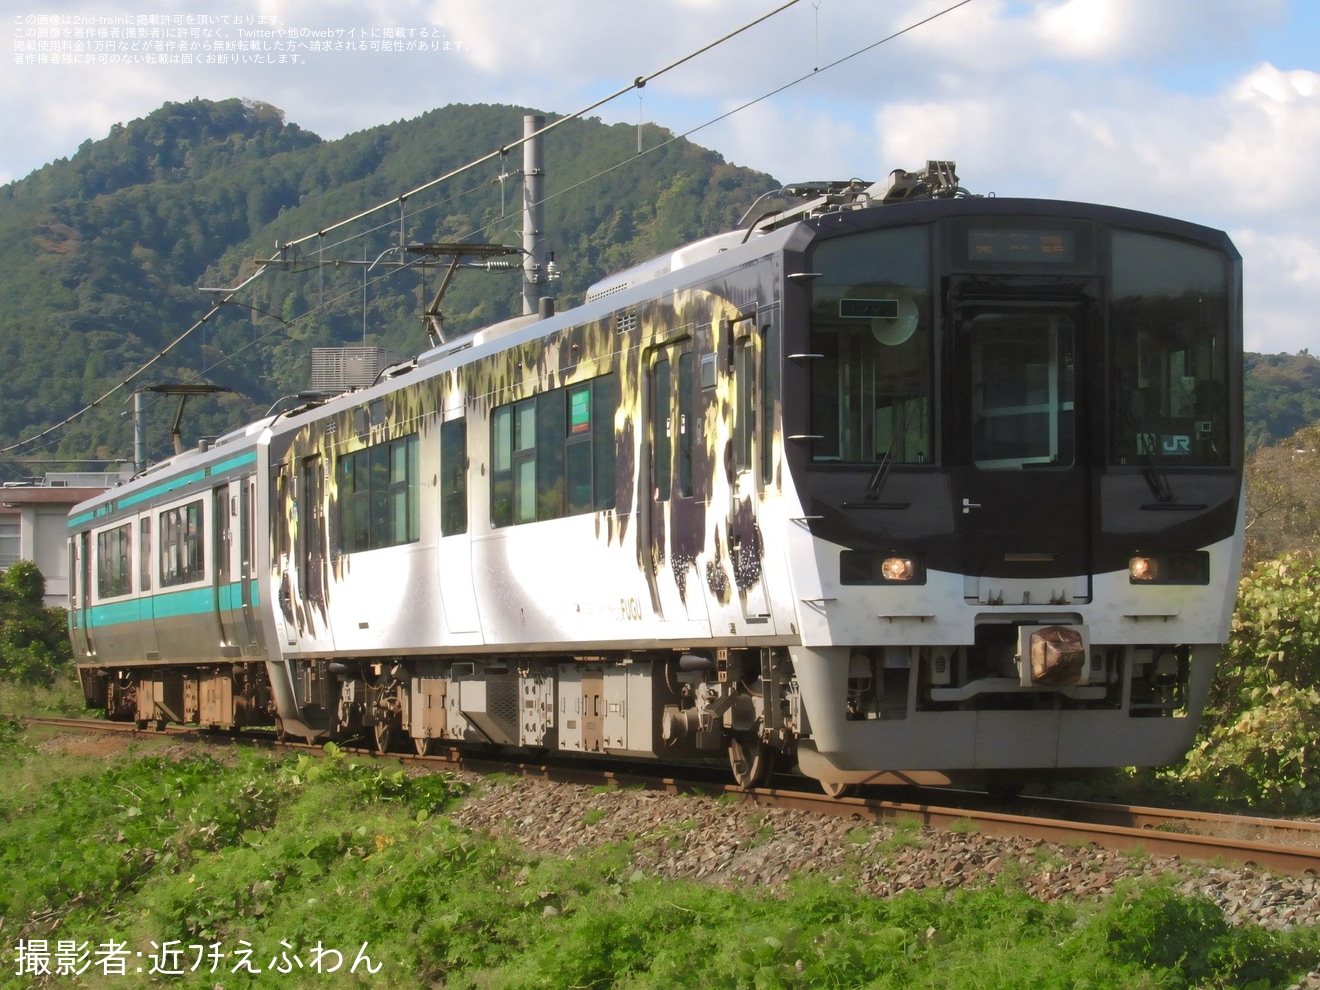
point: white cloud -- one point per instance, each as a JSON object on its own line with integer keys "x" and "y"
{"x": 1187, "y": 107}
{"x": 1281, "y": 276}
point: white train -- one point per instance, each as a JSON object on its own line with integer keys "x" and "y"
{"x": 901, "y": 484}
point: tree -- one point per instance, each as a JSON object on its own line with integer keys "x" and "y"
{"x": 34, "y": 639}
{"x": 1283, "y": 497}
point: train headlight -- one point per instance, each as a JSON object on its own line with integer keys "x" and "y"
{"x": 1170, "y": 568}
{"x": 898, "y": 569}
{"x": 1143, "y": 569}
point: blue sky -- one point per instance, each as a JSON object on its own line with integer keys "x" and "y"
{"x": 1204, "y": 109}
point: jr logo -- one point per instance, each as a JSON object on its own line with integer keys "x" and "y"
{"x": 1171, "y": 444}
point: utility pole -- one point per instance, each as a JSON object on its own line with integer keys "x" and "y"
{"x": 534, "y": 268}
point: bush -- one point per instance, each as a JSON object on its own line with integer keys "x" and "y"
{"x": 1257, "y": 742}
{"x": 34, "y": 639}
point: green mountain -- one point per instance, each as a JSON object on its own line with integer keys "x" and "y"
{"x": 1282, "y": 396}
{"x": 104, "y": 252}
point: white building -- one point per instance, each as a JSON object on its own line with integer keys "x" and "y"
{"x": 34, "y": 524}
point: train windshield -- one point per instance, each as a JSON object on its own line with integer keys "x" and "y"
{"x": 871, "y": 379}
{"x": 1022, "y": 376}
{"x": 1169, "y": 324}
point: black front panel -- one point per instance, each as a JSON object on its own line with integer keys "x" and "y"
{"x": 1014, "y": 388}
{"x": 1018, "y": 423}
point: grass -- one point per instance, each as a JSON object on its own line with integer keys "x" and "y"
{"x": 168, "y": 844}
{"x": 62, "y": 699}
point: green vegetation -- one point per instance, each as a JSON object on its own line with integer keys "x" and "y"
{"x": 104, "y": 252}
{"x": 1282, "y": 396}
{"x": 162, "y": 852}
{"x": 1258, "y": 740}
{"x": 1257, "y": 744}
{"x": 1283, "y": 497}
{"x": 34, "y": 639}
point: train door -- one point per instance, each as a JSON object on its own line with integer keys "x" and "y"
{"x": 146, "y": 588}
{"x": 312, "y": 563}
{"x": 675, "y": 521}
{"x": 1021, "y": 470}
{"x": 246, "y": 491}
{"x": 222, "y": 574}
{"x": 744, "y": 533}
{"x": 457, "y": 595}
{"x": 80, "y": 602}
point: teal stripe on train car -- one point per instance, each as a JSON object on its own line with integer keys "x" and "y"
{"x": 165, "y": 487}
{"x": 173, "y": 604}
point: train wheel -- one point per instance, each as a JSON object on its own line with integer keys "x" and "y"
{"x": 425, "y": 747}
{"x": 385, "y": 733}
{"x": 836, "y": 790}
{"x": 751, "y": 760}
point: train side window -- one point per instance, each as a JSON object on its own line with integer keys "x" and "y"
{"x": 551, "y": 432}
{"x": 589, "y": 445}
{"x": 453, "y": 477}
{"x": 554, "y": 454}
{"x": 524, "y": 461}
{"x": 378, "y": 499}
{"x": 114, "y": 567}
{"x": 501, "y": 466}
{"x": 605, "y": 403}
{"x": 578, "y": 449}
{"x": 182, "y": 545}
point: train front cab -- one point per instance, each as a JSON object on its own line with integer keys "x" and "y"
{"x": 1009, "y": 420}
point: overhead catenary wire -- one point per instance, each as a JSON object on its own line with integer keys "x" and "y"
{"x": 638, "y": 83}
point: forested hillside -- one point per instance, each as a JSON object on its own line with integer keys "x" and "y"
{"x": 104, "y": 253}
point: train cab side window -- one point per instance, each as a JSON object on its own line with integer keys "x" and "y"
{"x": 114, "y": 561}
{"x": 1169, "y": 324}
{"x": 687, "y": 425}
{"x": 769, "y": 400}
{"x": 453, "y": 477}
{"x": 871, "y": 334}
{"x": 744, "y": 420}
{"x": 182, "y": 547}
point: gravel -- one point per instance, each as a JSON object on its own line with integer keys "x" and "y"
{"x": 735, "y": 846}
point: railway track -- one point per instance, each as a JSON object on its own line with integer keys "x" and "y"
{"x": 1280, "y": 845}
